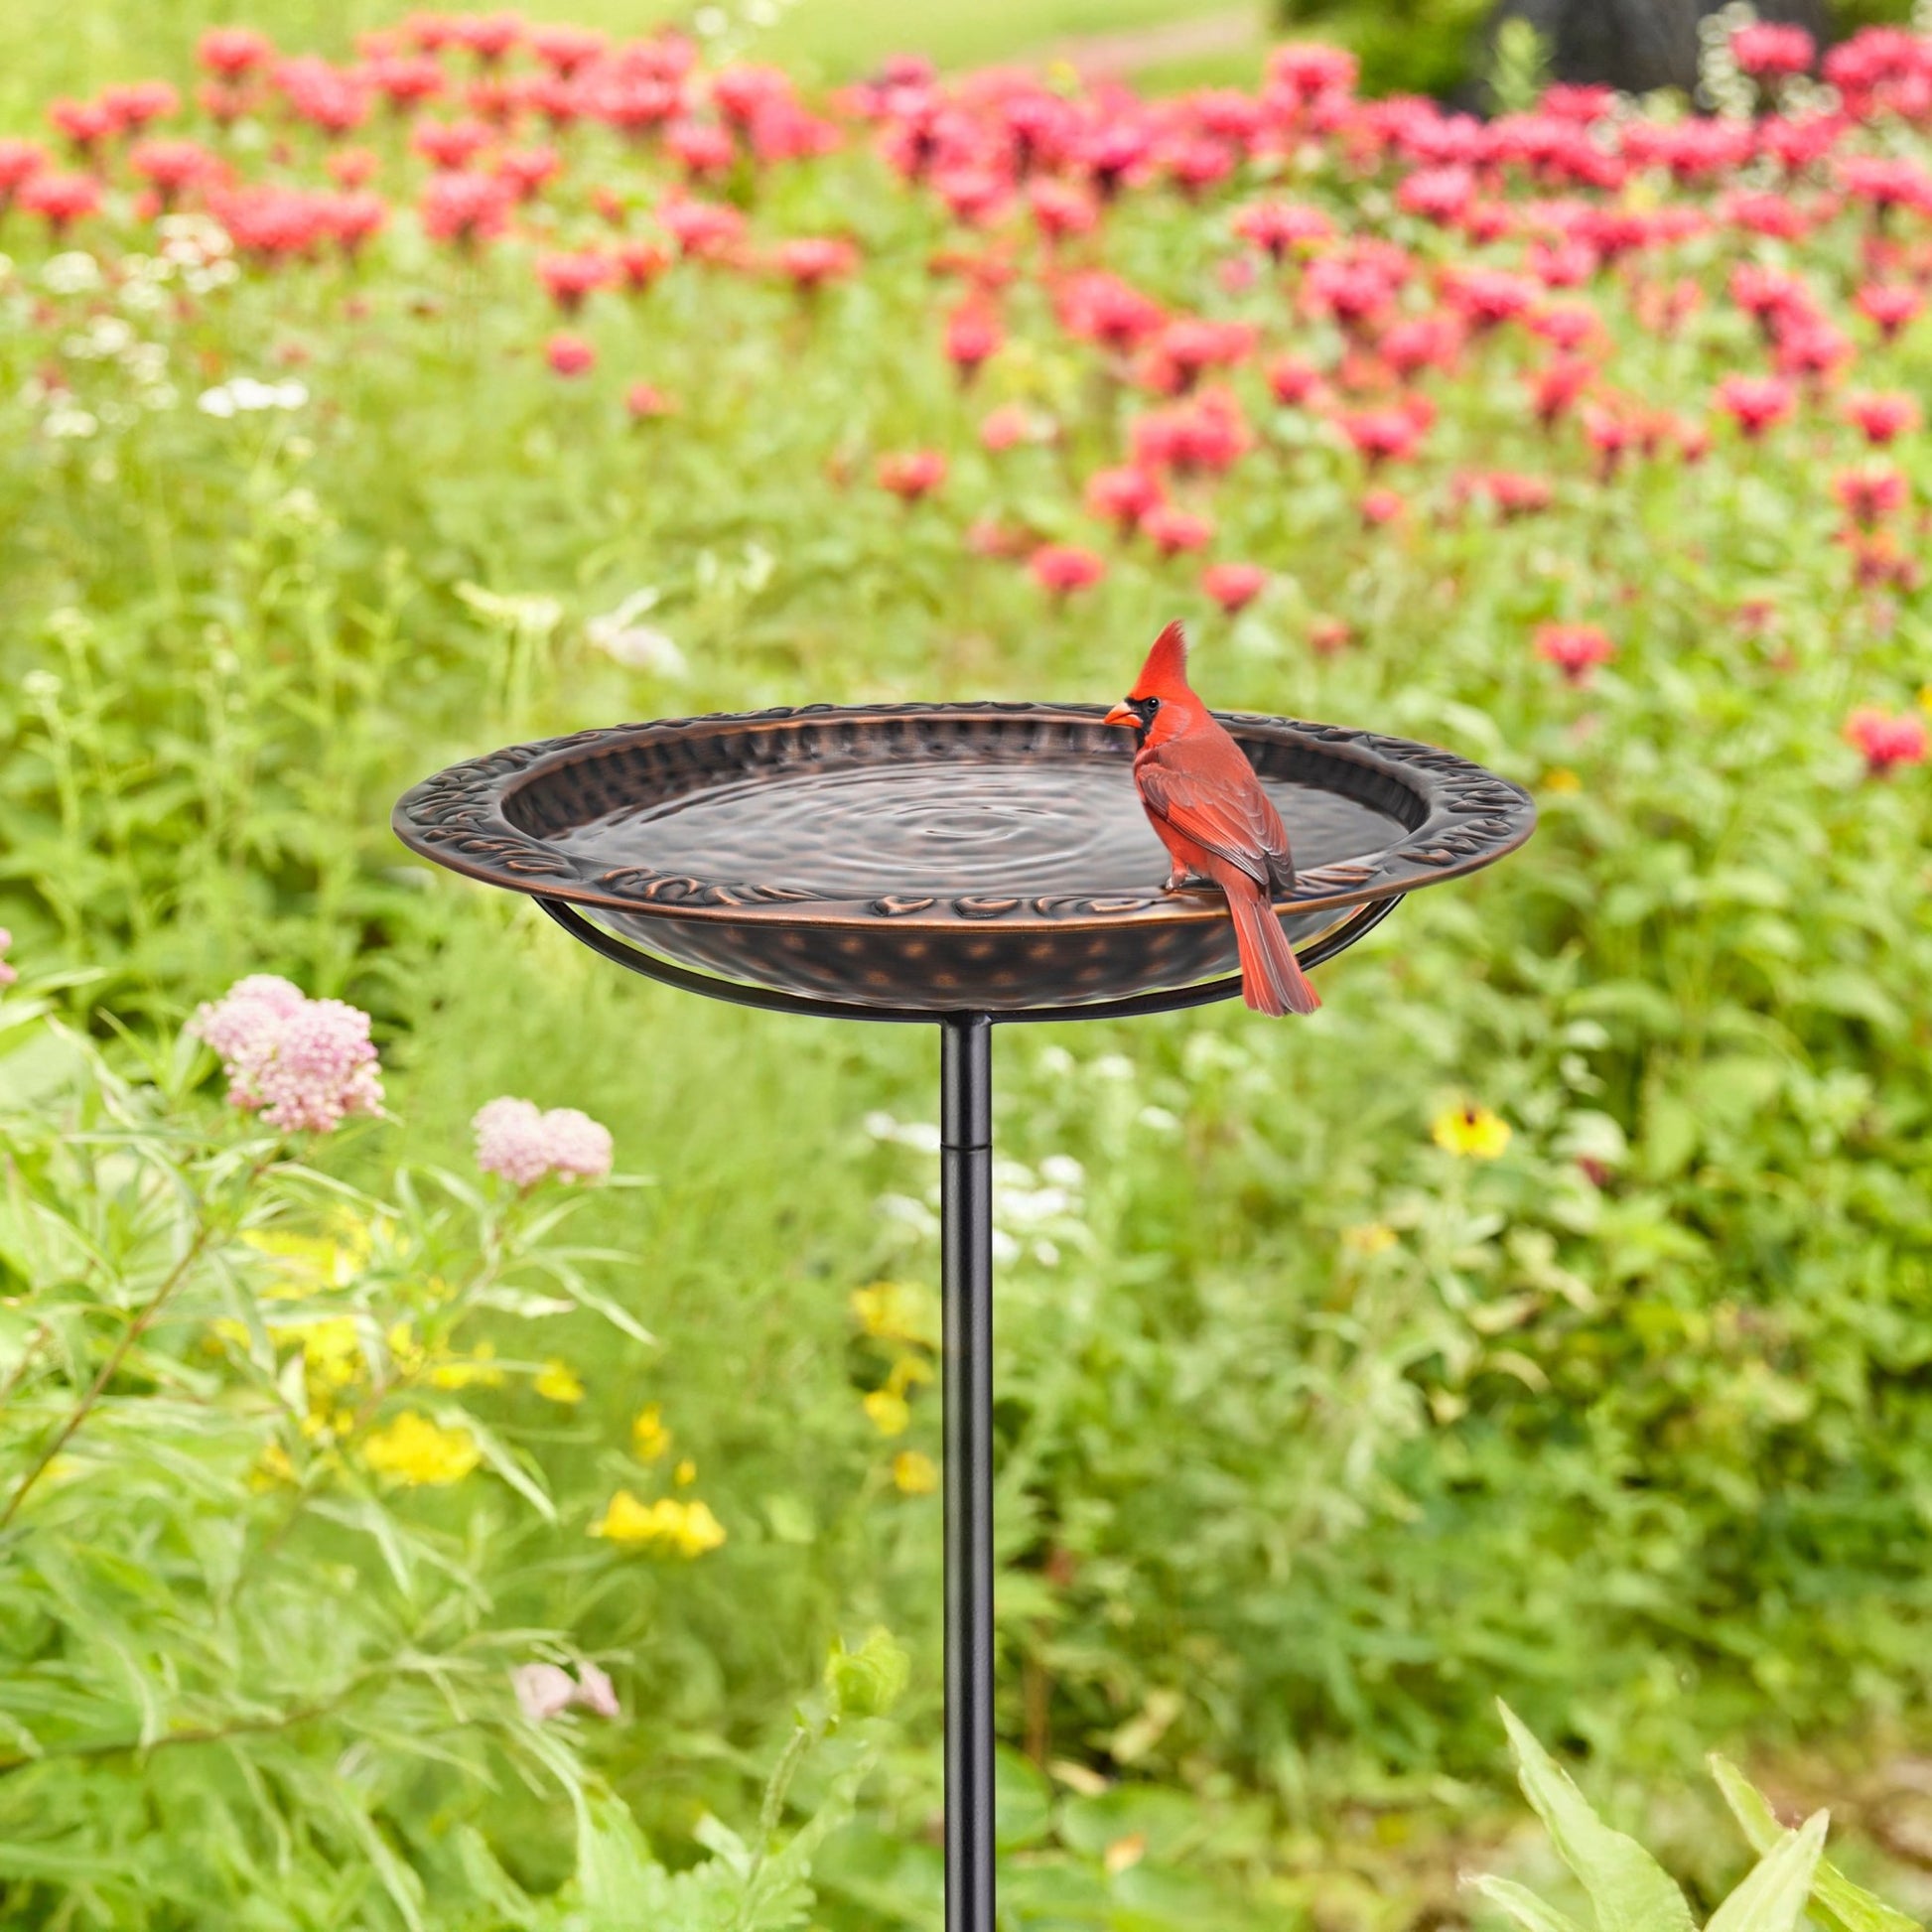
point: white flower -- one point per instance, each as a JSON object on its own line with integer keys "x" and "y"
{"x": 244, "y": 393}
{"x": 67, "y": 423}
{"x": 193, "y": 237}
{"x": 212, "y": 275}
{"x": 638, "y": 647}
{"x": 74, "y": 273}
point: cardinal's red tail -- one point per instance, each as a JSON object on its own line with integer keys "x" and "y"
{"x": 1272, "y": 979}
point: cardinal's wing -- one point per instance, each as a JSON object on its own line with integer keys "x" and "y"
{"x": 1230, "y": 815}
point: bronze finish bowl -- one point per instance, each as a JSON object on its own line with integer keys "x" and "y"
{"x": 938, "y": 858}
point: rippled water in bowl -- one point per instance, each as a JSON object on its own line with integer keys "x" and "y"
{"x": 1031, "y": 826}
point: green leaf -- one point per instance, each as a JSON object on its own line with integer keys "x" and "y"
{"x": 1629, "y": 1889}
{"x": 620, "y": 1885}
{"x": 1773, "y": 1892}
{"x": 1848, "y": 1907}
{"x": 1522, "y": 1905}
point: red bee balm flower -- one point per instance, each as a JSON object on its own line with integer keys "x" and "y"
{"x": 813, "y": 260}
{"x": 1755, "y": 401}
{"x": 465, "y": 209}
{"x": 1234, "y": 585}
{"x": 643, "y": 400}
{"x": 1767, "y": 52}
{"x": 912, "y": 474}
{"x": 1064, "y": 568}
{"x": 1868, "y": 496}
{"x": 1171, "y": 530}
{"x": 1886, "y": 741}
{"x": 570, "y": 356}
{"x": 1123, "y": 496}
{"x": 233, "y": 51}
{"x": 570, "y": 279}
{"x": 973, "y": 335}
{"x": 60, "y": 199}
{"x": 1881, "y": 416}
{"x": 1892, "y": 306}
{"x": 1382, "y": 434}
{"x": 1576, "y": 650}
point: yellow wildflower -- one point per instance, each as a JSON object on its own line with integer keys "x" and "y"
{"x": 915, "y": 1475}
{"x": 910, "y": 1371}
{"x": 1470, "y": 1132}
{"x": 275, "y": 1466}
{"x": 888, "y": 1413}
{"x": 477, "y": 1370}
{"x": 308, "y": 1261}
{"x": 1925, "y": 697}
{"x": 689, "y": 1529}
{"x": 650, "y": 1438}
{"x": 897, "y": 1311}
{"x": 558, "y": 1382}
{"x": 331, "y": 1349}
{"x": 685, "y": 1474}
{"x": 1560, "y": 777}
{"x": 415, "y": 1451}
{"x": 410, "y": 1356}
{"x": 1371, "y": 1238}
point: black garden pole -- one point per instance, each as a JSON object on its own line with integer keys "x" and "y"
{"x": 966, "y": 1284}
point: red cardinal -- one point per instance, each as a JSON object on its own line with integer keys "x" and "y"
{"x": 1203, "y": 799}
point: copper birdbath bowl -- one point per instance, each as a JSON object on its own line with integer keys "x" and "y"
{"x": 908, "y": 861}
{"x": 958, "y": 865}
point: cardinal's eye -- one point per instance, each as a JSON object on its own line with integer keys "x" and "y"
{"x": 1152, "y": 704}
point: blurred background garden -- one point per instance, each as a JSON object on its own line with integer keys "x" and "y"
{"x": 454, "y": 1402}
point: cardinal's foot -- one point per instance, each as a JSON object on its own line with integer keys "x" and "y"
{"x": 1181, "y": 880}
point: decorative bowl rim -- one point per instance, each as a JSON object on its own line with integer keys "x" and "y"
{"x": 1469, "y": 817}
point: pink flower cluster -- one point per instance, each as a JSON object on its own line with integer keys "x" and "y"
{"x": 8, "y": 974}
{"x": 520, "y": 1141}
{"x": 546, "y": 1690}
{"x": 301, "y": 1063}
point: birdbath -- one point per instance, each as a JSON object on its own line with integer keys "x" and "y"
{"x": 956, "y": 866}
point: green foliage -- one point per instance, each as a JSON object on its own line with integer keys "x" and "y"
{"x": 1629, "y": 1889}
{"x": 1406, "y": 47}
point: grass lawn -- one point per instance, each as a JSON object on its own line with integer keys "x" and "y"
{"x": 48, "y": 47}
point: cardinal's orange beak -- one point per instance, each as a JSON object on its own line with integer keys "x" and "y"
{"x": 1123, "y": 714}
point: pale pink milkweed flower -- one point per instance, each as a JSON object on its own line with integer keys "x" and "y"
{"x": 300, "y": 1063}
{"x": 8, "y": 974}
{"x": 520, "y": 1141}
{"x": 546, "y": 1690}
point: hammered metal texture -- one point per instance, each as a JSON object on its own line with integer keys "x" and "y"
{"x": 937, "y": 856}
